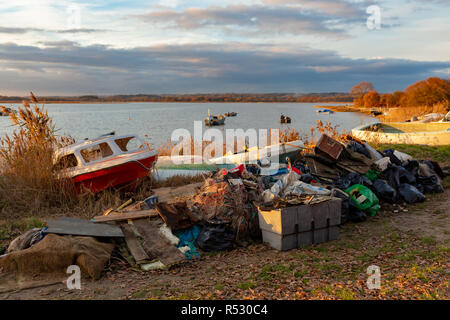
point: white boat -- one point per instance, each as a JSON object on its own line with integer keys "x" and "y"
{"x": 276, "y": 153}
{"x": 432, "y": 134}
{"x": 104, "y": 162}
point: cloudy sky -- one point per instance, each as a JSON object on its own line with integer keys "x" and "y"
{"x": 198, "y": 46}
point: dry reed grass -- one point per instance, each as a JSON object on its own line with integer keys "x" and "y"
{"x": 28, "y": 180}
{"x": 327, "y": 128}
{"x": 406, "y": 113}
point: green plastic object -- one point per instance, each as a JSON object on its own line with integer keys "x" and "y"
{"x": 364, "y": 199}
{"x": 372, "y": 175}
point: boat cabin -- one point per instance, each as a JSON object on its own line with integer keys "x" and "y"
{"x": 93, "y": 151}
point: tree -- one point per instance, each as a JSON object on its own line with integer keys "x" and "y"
{"x": 371, "y": 99}
{"x": 387, "y": 100}
{"x": 398, "y": 98}
{"x": 428, "y": 92}
{"x": 361, "y": 89}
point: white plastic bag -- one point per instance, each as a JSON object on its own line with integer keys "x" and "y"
{"x": 383, "y": 163}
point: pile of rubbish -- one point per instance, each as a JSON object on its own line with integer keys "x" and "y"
{"x": 364, "y": 177}
{"x": 222, "y": 213}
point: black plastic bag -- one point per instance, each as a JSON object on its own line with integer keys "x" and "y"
{"x": 430, "y": 184}
{"x": 390, "y": 153}
{"x": 383, "y": 190}
{"x": 412, "y": 166}
{"x": 345, "y": 204}
{"x": 216, "y": 236}
{"x": 342, "y": 183}
{"x": 410, "y": 193}
{"x": 355, "y": 146}
{"x": 253, "y": 169}
{"x": 398, "y": 175}
{"x": 351, "y": 179}
{"x": 406, "y": 176}
{"x": 357, "y": 216}
{"x": 307, "y": 178}
{"x": 435, "y": 167}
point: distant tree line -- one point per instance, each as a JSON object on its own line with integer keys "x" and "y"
{"x": 217, "y": 97}
{"x": 427, "y": 92}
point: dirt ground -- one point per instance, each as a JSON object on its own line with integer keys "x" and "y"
{"x": 410, "y": 244}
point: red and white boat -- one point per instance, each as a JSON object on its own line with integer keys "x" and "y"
{"x": 104, "y": 162}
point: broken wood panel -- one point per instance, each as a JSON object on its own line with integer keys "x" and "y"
{"x": 155, "y": 244}
{"x": 133, "y": 244}
{"x": 126, "y": 216}
{"x": 175, "y": 215}
{"x": 80, "y": 227}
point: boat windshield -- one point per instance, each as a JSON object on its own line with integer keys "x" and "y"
{"x": 129, "y": 144}
{"x": 67, "y": 161}
{"x": 96, "y": 152}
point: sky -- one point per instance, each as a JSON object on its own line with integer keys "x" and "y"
{"x": 204, "y": 46}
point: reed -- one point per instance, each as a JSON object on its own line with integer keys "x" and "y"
{"x": 406, "y": 113}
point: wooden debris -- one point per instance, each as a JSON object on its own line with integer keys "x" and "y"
{"x": 138, "y": 253}
{"x": 131, "y": 215}
{"x": 155, "y": 244}
{"x": 80, "y": 227}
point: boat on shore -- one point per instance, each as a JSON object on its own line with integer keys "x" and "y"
{"x": 105, "y": 162}
{"x": 432, "y": 134}
{"x": 276, "y": 153}
{"x": 325, "y": 111}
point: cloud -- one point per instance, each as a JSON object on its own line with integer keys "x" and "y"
{"x": 330, "y": 7}
{"x": 324, "y": 18}
{"x": 68, "y": 68}
{"x": 14, "y": 30}
{"x": 10, "y": 30}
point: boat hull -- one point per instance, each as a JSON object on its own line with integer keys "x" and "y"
{"x": 432, "y": 134}
{"x": 114, "y": 176}
{"x": 275, "y": 153}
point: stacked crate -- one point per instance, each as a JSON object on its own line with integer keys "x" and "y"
{"x": 302, "y": 225}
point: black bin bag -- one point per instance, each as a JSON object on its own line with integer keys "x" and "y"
{"x": 383, "y": 190}
{"x": 410, "y": 193}
{"x": 216, "y": 236}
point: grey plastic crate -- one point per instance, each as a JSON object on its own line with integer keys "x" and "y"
{"x": 299, "y": 226}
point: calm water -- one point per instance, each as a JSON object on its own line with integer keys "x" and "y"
{"x": 158, "y": 120}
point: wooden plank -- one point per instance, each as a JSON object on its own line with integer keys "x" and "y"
{"x": 116, "y": 216}
{"x": 133, "y": 244}
{"x": 155, "y": 244}
{"x": 80, "y": 227}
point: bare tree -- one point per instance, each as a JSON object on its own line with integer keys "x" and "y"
{"x": 361, "y": 89}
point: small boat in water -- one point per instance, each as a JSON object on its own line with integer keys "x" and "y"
{"x": 285, "y": 119}
{"x": 105, "y": 162}
{"x": 432, "y": 134}
{"x": 214, "y": 120}
{"x": 325, "y": 111}
{"x": 230, "y": 114}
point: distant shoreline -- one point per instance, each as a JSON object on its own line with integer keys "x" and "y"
{"x": 117, "y": 102}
